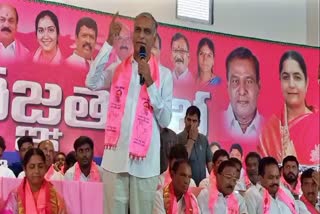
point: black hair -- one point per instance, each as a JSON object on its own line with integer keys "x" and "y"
{"x": 2, "y": 144}
{"x": 219, "y": 153}
{"x": 237, "y": 147}
{"x": 82, "y": 140}
{"x": 178, "y": 151}
{"x": 89, "y": 23}
{"x": 225, "y": 164}
{"x": 252, "y": 155}
{"x": 290, "y": 158}
{"x": 264, "y": 162}
{"x": 32, "y": 152}
{"x": 203, "y": 42}
{"x": 177, "y": 164}
{"x": 24, "y": 139}
{"x": 306, "y": 174}
{"x": 53, "y": 18}
{"x": 243, "y": 53}
{"x": 178, "y": 36}
{"x": 294, "y": 55}
{"x": 193, "y": 110}
{"x": 236, "y": 161}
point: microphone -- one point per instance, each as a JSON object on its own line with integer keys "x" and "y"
{"x": 142, "y": 55}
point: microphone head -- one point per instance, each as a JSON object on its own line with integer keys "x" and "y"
{"x": 142, "y": 52}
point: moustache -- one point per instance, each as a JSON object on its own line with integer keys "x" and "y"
{"x": 229, "y": 187}
{"x": 124, "y": 48}
{"x": 274, "y": 185}
{"x": 87, "y": 45}
{"x": 290, "y": 173}
{"x": 311, "y": 194}
{"x": 178, "y": 60}
{"x": 6, "y": 29}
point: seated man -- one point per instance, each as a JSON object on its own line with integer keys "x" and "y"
{"x": 290, "y": 176}
{"x": 250, "y": 177}
{"x": 218, "y": 157}
{"x": 60, "y": 161}
{"x": 269, "y": 197}
{"x": 175, "y": 197}
{"x": 85, "y": 169}
{"x": 53, "y": 173}
{"x": 24, "y": 144}
{"x": 177, "y": 152}
{"x": 4, "y": 170}
{"x": 219, "y": 197}
{"x": 238, "y": 165}
{"x": 310, "y": 187}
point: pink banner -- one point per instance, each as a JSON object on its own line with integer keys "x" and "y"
{"x": 75, "y": 194}
{"x": 49, "y": 100}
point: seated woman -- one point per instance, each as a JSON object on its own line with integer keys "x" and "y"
{"x": 205, "y": 53}
{"x": 295, "y": 129}
{"x": 34, "y": 194}
{"x": 175, "y": 197}
{"x": 47, "y": 32}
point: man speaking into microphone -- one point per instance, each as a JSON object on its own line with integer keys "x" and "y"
{"x": 140, "y": 102}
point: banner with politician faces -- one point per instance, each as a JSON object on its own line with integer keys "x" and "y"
{"x": 260, "y": 94}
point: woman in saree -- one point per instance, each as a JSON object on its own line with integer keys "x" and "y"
{"x": 35, "y": 194}
{"x": 295, "y": 130}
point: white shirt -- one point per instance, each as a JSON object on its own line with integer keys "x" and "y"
{"x": 254, "y": 201}
{"x": 69, "y": 175}
{"x": 185, "y": 76}
{"x": 6, "y": 172}
{"x": 117, "y": 160}
{"x": 233, "y": 127}
{"x": 9, "y": 51}
{"x": 158, "y": 205}
{"x": 205, "y": 182}
{"x": 163, "y": 175}
{"x": 78, "y": 61}
{"x": 221, "y": 203}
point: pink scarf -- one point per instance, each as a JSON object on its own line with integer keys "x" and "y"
{"x": 143, "y": 122}
{"x": 171, "y": 205}
{"x": 309, "y": 206}
{"x": 41, "y": 205}
{"x": 94, "y": 172}
{"x": 50, "y": 173}
{"x": 282, "y": 196}
{"x": 232, "y": 201}
{"x": 294, "y": 191}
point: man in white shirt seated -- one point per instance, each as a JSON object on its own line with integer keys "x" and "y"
{"x": 290, "y": 176}
{"x": 219, "y": 196}
{"x": 85, "y": 169}
{"x": 177, "y": 152}
{"x": 10, "y": 47}
{"x": 310, "y": 189}
{"x": 269, "y": 197}
{"x": 175, "y": 198}
{"x": 86, "y": 37}
{"x": 4, "y": 170}
{"x": 218, "y": 157}
{"x": 250, "y": 177}
{"x": 47, "y": 148}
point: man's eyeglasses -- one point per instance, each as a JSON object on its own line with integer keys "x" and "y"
{"x": 180, "y": 51}
{"x": 230, "y": 177}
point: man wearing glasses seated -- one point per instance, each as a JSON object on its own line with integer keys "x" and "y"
{"x": 219, "y": 196}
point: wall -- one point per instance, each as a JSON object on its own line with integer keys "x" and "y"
{"x": 292, "y": 21}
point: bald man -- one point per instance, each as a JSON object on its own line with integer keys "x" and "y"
{"x": 10, "y": 47}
